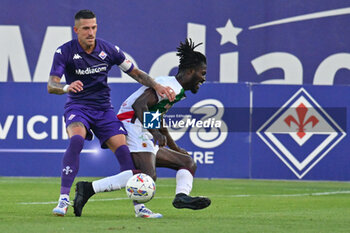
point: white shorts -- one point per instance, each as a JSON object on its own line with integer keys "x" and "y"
{"x": 139, "y": 139}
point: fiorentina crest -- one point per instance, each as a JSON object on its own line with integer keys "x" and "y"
{"x": 301, "y": 133}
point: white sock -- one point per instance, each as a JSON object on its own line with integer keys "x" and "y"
{"x": 112, "y": 183}
{"x": 138, "y": 206}
{"x": 63, "y": 196}
{"x": 184, "y": 180}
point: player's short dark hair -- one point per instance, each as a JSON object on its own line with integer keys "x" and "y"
{"x": 84, "y": 14}
{"x": 188, "y": 57}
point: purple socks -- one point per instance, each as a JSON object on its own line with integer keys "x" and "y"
{"x": 124, "y": 158}
{"x": 70, "y": 163}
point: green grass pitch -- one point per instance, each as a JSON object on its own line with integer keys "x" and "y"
{"x": 237, "y": 206}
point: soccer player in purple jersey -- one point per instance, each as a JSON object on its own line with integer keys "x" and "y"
{"x": 85, "y": 62}
{"x": 146, "y": 156}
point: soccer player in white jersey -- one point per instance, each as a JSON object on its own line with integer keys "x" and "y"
{"x": 145, "y": 154}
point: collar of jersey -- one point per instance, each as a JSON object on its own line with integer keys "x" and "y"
{"x": 81, "y": 50}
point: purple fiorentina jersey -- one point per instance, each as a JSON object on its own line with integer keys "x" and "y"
{"x": 92, "y": 69}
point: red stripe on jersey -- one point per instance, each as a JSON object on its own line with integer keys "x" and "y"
{"x": 126, "y": 115}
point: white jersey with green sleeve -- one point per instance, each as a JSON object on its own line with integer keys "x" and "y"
{"x": 126, "y": 112}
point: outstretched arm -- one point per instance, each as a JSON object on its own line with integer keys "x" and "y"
{"x": 142, "y": 104}
{"x": 146, "y": 80}
{"x": 55, "y": 87}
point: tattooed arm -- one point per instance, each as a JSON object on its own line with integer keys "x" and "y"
{"x": 146, "y": 80}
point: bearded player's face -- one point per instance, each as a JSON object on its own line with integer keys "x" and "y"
{"x": 86, "y": 32}
{"x": 198, "y": 77}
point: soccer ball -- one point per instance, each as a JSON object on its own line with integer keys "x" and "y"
{"x": 140, "y": 188}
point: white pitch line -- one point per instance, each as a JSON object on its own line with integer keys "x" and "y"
{"x": 225, "y": 196}
{"x": 293, "y": 195}
{"x": 55, "y": 202}
{"x": 42, "y": 151}
{"x": 322, "y": 14}
{"x": 90, "y": 200}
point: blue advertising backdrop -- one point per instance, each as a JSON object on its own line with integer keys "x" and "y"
{"x": 248, "y": 46}
{"x": 254, "y": 140}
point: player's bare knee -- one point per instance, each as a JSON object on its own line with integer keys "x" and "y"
{"x": 193, "y": 167}
{"x": 190, "y": 165}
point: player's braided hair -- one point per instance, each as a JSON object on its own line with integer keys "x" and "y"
{"x": 188, "y": 57}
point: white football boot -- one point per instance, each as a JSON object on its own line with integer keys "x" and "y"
{"x": 147, "y": 213}
{"x": 62, "y": 207}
